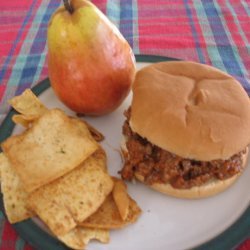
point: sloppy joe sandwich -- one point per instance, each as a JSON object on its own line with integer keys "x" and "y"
{"x": 187, "y": 129}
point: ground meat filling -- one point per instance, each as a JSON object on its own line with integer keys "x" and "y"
{"x": 160, "y": 166}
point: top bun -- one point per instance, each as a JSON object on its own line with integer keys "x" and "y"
{"x": 190, "y": 109}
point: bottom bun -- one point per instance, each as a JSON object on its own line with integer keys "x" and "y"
{"x": 210, "y": 188}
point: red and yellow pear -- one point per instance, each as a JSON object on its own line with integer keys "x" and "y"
{"x": 91, "y": 65}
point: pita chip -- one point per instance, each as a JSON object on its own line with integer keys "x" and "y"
{"x": 28, "y": 104}
{"x": 108, "y": 215}
{"x": 24, "y": 120}
{"x": 72, "y": 198}
{"x": 14, "y": 195}
{"x": 52, "y": 147}
{"x": 79, "y": 237}
{"x": 121, "y": 198}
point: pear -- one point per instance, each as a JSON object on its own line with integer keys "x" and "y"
{"x": 91, "y": 65}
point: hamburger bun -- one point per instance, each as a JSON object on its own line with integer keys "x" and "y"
{"x": 192, "y": 110}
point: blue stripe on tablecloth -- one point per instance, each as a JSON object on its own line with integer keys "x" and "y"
{"x": 126, "y": 20}
{"x": 19, "y": 34}
{"x": 194, "y": 32}
{"x": 212, "y": 50}
{"x": 32, "y": 60}
{"x": 124, "y": 14}
{"x": 221, "y": 40}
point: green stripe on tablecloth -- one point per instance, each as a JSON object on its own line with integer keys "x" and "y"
{"x": 113, "y": 12}
{"x": 2, "y": 220}
{"x": 19, "y": 244}
{"x": 136, "y": 47}
{"x": 212, "y": 49}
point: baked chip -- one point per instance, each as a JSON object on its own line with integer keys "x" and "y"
{"x": 108, "y": 216}
{"x": 28, "y": 104}
{"x": 81, "y": 125}
{"x": 121, "y": 198}
{"x": 99, "y": 153}
{"x": 79, "y": 237}
{"x": 98, "y": 136}
{"x": 14, "y": 196}
{"x": 52, "y": 147}
{"x": 24, "y": 120}
{"x": 100, "y": 158}
{"x": 69, "y": 200}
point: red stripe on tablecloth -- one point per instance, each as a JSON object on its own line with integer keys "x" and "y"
{"x": 18, "y": 16}
{"x": 242, "y": 16}
{"x": 2, "y": 89}
{"x": 14, "y": 4}
{"x": 8, "y": 18}
{"x": 179, "y": 34}
{"x": 146, "y": 12}
{"x": 164, "y": 20}
{"x": 7, "y": 36}
{"x": 150, "y": 19}
{"x": 9, "y": 237}
{"x": 101, "y": 4}
{"x": 167, "y": 43}
{"x": 28, "y": 247}
{"x": 245, "y": 245}
{"x": 170, "y": 29}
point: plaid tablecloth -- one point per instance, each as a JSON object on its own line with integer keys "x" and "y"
{"x": 215, "y": 32}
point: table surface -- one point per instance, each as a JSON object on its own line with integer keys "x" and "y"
{"x": 214, "y": 32}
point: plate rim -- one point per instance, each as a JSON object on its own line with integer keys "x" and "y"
{"x": 232, "y": 237}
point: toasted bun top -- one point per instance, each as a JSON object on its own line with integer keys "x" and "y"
{"x": 190, "y": 109}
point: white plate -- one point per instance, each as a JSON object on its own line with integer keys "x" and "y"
{"x": 166, "y": 222}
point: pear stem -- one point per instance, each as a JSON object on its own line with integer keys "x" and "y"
{"x": 68, "y": 6}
